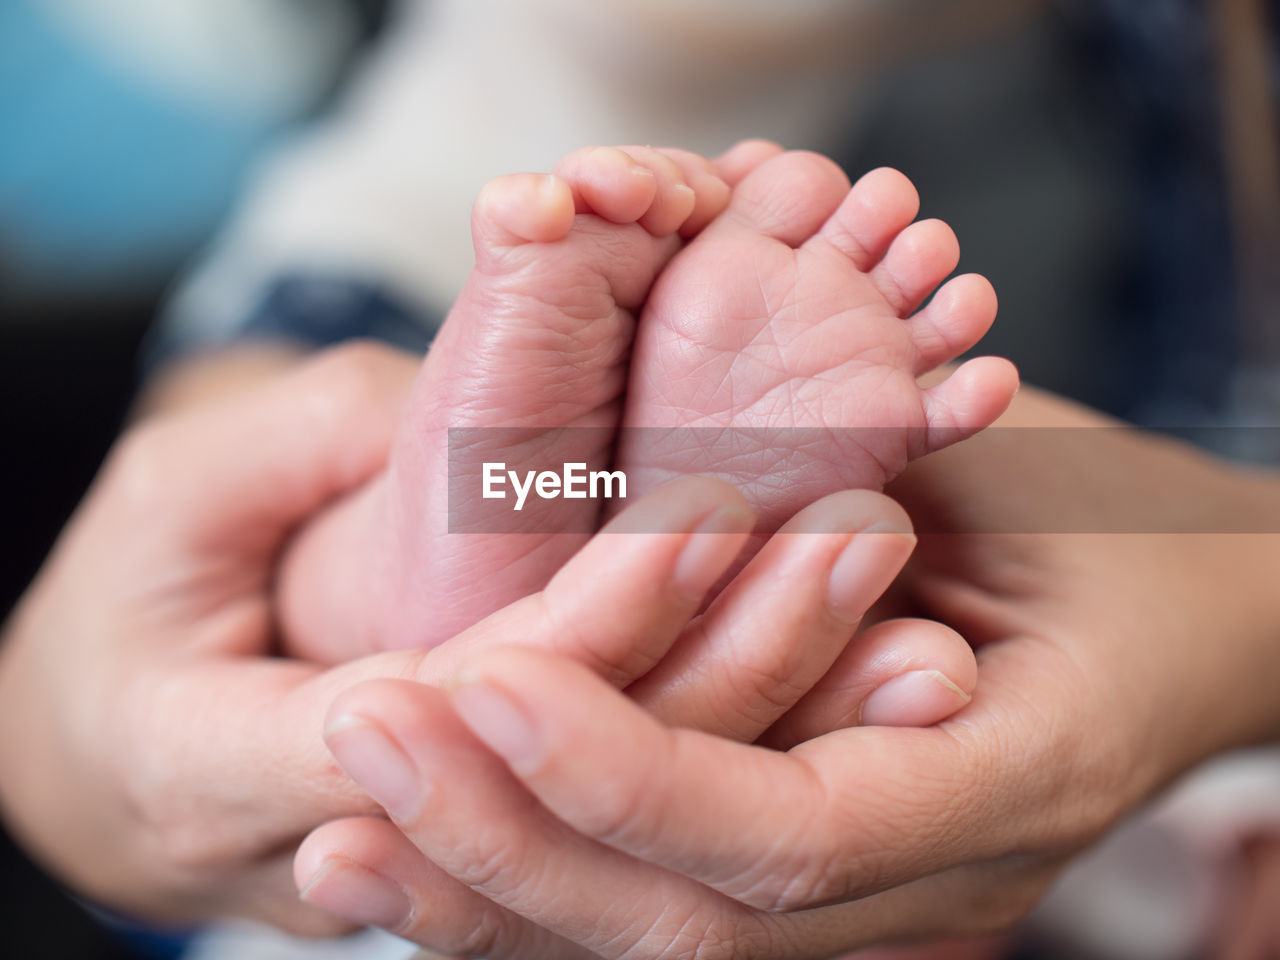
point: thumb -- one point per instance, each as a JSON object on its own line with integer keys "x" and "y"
{"x": 616, "y": 607}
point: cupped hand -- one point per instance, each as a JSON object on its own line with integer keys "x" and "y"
{"x": 159, "y": 758}
{"x": 1128, "y": 626}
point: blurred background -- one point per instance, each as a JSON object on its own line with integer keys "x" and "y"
{"x": 175, "y": 175}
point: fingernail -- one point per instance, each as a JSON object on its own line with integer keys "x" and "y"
{"x": 357, "y": 894}
{"x": 377, "y": 764}
{"x": 853, "y": 570}
{"x": 919, "y": 698}
{"x": 708, "y": 552}
{"x": 500, "y": 723}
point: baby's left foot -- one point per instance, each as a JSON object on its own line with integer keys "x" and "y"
{"x": 795, "y": 320}
{"x": 530, "y": 366}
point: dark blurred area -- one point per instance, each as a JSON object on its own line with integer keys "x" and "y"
{"x": 1081, "y": 152}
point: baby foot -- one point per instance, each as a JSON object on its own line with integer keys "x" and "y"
{"x": 795, "y": 320}
{"x": 537, "y": 342}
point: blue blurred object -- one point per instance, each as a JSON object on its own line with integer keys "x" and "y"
{"x": 110, "y": 174}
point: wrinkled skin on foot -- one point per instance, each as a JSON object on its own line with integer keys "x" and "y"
{"x": 538, "y": 341}
{"x": 781, "y": 349}
{"x": 786, "y": 311}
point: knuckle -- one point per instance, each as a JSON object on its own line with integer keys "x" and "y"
{"x": 730, "y": 938}
{"x": 698, "y": 934}
{"x": 706, "y": 942}
{"x": 753, "y": 688}
{"x": 767, "y": 676}
{"x": 501, "y": 869}
{"x": 619, "y": 808}
{"x": 484, "y": 938}
{"x": 783, "y": 882}
{"x": 815, "y": 884}
{"x": 605, "y": 653}
{"x": 816, "y": 875}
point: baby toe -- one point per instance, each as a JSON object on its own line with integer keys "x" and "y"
{"x": 674, "y": 201}
{"x": 788, "y": 197}
{"x": 919, "y": 259}
{"x": 878, "y": 208}
{"x": 608, "y": 182}
{"x": 954, "y": 321}
{"x": 734, "y": 164}
{"x": 969, "y": 400}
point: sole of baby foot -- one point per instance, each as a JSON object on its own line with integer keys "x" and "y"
{"x": 781, "y": 349}
{"x": 528, "y": 371}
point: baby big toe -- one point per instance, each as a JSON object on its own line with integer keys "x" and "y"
{"x": 608, "y": 182}
{"x": 787, "y": 198}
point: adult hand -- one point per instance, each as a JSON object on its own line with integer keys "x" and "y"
{"x": 160, "y": 760}
{"x": 1112, "y": 660}
{"x": 150, "y": 753}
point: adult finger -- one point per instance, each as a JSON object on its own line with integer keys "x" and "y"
{"x": 839, "y": 817}
{"x": 466, "y": 812}
{"x": 617, "y": 606}
{"x": 264, "y": 460}
{"x": 365, "y": 870}
{"x": 621, "y": 602}
{"x": 782, "y": 622}
{"x": 482, "y": 833}
{"x": 899, "y": 673}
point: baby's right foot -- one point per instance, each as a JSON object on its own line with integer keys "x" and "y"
{"x": 782, "y": 349}
{"x": 538, "y": 342}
